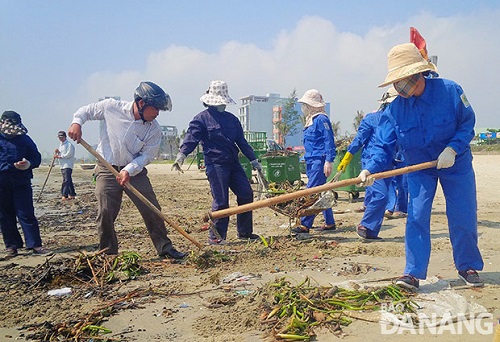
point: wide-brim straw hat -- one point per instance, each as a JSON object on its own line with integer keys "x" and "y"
{"x": 217, "y": 94}
{"x": 313, "y": 98}
{"x": 403, "y": 61}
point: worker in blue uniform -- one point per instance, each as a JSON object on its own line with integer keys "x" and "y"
{"x": 431, "y": 119}
{"x": 221, "y": 135}
{"x": 319, "y": 145}
{"x": 18, "y": 157}
{"x": 397, "y": 202}
{"x": 376, "y": 196}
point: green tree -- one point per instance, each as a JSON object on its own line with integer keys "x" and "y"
{"x": 336, "y": 128}
{"x": 288, "y": 124}
{"x": 357, "y": 119}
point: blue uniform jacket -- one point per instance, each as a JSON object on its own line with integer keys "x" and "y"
{"x": 318, "y": 139}
{"x": 220, "y": 134}
{"x": 424, "y": 126}
{"x": 365, "y": 137}
{"x": 14, "y": 150}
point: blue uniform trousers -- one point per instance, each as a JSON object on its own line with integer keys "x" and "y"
{"x": 392, "y": 195}
{"x": 16, "y": 200}
{"x": 316, "y": 176}
{"x": 375, "y": 203}
{"x": 223, "y": 177}
{"x": 402, "y": 193}
{"x": 459, "y": 188}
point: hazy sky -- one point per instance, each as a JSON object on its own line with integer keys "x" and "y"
{"x": 56, "y": 56}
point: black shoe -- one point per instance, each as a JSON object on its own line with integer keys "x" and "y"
{"x": 249, "y": 237}
{"x": 174, "y": 254}
{"x": 471, "y": 278}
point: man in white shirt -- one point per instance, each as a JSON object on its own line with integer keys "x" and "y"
{"x": 129, "y": 140}
{"x": 66, "y": 155}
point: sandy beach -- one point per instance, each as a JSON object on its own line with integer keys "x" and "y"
{"x": 181, "y": 301}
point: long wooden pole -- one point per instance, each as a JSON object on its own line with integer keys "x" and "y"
{"x": 317, "y": 189}
{"x": 139, "y": 195}
{"x": 46, "y": 179}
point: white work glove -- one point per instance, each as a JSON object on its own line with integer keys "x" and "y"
{"x": 446, "y": 159}
{"x": 327, "y": 169}
{"x": 178, "y": 162}
{"x": 366, "y": 179}
{"x": 22, "y": 164}
{"x": 256, "y": 165}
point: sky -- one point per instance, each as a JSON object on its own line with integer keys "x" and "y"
{"x": 58, "y": 55}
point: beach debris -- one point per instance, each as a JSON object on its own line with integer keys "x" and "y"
{"x": 293, "y": 312}
{"x": 207, "y": 259}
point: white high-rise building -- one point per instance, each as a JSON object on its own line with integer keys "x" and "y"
{"x": 256, "y": 113}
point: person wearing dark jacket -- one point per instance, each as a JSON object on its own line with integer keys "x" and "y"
{"x": 18, "y": 157}
{"x": 221, "y": 135}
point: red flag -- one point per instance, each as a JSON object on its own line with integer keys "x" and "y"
{"x": 419, "y": 42}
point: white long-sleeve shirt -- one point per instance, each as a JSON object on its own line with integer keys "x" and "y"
{"x": 67, "y": 155}
{"x": 124, "y": 141}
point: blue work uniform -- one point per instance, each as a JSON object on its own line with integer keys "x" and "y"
{"x": 221, "y": 135}
{"x": 398, "y": 190}
{"x": 16, "y": 194}
{"x": 319, "y": 145}
{"x": 423, "y": 126}
{"x": 376, "y": 196}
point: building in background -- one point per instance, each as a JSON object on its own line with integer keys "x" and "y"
{"x": 169, "y": 142}
{"x": 256, "y": 113}
{"x": 259, "y": 113}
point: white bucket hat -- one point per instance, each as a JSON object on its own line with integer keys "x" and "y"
{"x": 313, "y": 98}
{"x": 403, "y": 61}
{"x": 217, "y": 94}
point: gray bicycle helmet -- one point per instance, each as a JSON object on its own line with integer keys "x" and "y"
{"x": 152, "y": 95}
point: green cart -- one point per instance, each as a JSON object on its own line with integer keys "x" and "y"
{"x": 281, "y": 167}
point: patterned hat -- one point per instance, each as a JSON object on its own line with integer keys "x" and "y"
{"x": 10, "y": 124}
{"x": 217, "y": 94}
{"x": 403, "y": 61}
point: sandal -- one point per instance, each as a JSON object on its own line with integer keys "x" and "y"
{"x": 42, "y": 251}
{"x": 328, "y": 227}
{"x": 300, "y": 230}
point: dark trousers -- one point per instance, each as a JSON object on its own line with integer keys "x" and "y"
{"x": 67, "y": 187}
{"x": 16, "y": 201}
{"x": 225, "y": 177}
{"x": 109, "y": 199}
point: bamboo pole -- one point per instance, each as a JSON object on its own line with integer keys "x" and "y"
{"x": 46, "y": 179}
{"x": 139, "y": 195}
{"x": 309, "y": 191}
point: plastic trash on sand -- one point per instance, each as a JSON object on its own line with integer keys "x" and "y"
{"x": 60, "y": 292}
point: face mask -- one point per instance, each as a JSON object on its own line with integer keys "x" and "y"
{"x": 407, "y": 86}
{"x": 221, "y": 108}
{"x": 305, "y": 109}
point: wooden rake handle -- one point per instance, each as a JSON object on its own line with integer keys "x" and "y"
{"x": 267, "y": 202}
{"x": 46, "y": 179}
{"x": 139, "y": 195}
